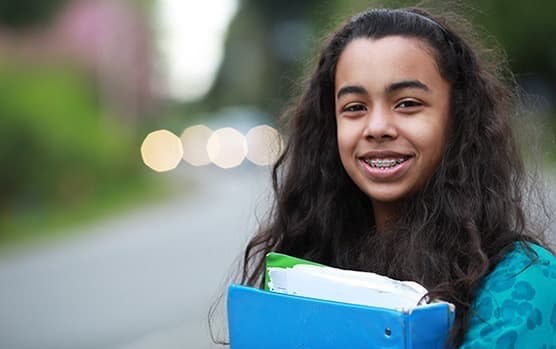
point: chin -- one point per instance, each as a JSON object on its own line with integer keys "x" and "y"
{"x": 386, "y": 200}
{"x": 386, "y": 196}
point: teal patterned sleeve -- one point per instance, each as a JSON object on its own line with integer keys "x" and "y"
{"x": 516, "y": 305}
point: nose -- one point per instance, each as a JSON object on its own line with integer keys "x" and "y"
{"x": 380, "y": 125}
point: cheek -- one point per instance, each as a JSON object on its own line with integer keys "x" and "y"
{"x": 432, "y": 142}
{"x": 348, "y": 130}
{"x": 346, "y": 145}
{"x": 346, "y": 142}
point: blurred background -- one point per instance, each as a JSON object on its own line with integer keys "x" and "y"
{"x": 135, "y": 144}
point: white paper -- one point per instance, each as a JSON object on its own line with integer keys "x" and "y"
{"x": 346, "y": 286}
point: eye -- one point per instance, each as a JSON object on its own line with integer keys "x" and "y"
{"x": 354, "y": 108}
{"x": 409, "y": 104}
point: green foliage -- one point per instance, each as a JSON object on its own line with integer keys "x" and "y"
{"x": 25, "y": 13}
{"x": 56, "y": 148}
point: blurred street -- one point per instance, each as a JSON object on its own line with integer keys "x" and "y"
{"x": 144, "y": 280}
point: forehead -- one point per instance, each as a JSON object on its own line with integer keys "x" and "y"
{"x": 386, "y": 60}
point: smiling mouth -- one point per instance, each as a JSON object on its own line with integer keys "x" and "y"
{"x": 385, "y": 163}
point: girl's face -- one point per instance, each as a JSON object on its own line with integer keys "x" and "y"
{"x": 392, "y": 115}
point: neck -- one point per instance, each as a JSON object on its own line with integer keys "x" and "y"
{"x": 384, "y": 212}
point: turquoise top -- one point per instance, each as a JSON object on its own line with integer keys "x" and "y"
{"x": 516, "y": 305}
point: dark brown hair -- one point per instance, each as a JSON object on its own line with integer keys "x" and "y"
{"x": 451, "y": 233}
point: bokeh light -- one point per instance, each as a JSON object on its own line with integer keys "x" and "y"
{"x": 195, "y": 140}
{"x": 162, "y": 150}
{"x": 227, "y": 147}
{"x": 264, "y": 144}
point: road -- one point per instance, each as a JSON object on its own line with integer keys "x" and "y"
{"x": 144, "y": 280}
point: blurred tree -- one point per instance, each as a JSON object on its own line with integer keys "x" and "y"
{"x": 19, "y": 14}
{"x": 55, "y": 150}
{"x": 524, "y": 29}
{"x": 266, "y": 44}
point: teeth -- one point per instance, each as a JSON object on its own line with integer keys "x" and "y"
{"x": 384, "y": 163}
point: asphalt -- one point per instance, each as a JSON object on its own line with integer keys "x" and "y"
{"x": 142, "y": 280}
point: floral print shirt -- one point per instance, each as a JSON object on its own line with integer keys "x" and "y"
{"x": 516, "y": 304}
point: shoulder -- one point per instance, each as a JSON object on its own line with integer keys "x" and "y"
{"x": 529, "y": 264}
{"x": 516, "y": 303}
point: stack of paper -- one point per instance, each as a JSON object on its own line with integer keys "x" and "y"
{"x": 292, "y": 276}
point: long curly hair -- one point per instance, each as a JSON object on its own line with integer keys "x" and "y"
{"x": 450, "y": 234}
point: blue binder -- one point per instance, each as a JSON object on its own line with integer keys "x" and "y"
{"x": 259, "y": 319}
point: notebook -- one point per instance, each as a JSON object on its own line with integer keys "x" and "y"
{"x": 310, "y": 306}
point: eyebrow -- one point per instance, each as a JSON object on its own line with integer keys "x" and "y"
{"x": 360, "y": 90}
{"x": 407, "y": 84}
{"x": 351, "y": 89}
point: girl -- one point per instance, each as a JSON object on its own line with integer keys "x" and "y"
{"x": 401, "y": 161}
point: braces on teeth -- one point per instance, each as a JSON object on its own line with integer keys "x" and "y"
{"x": 384, "y": 163}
